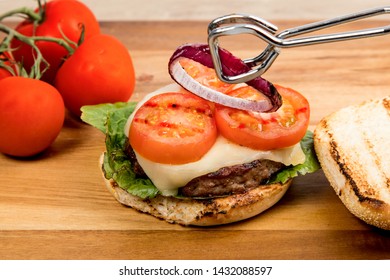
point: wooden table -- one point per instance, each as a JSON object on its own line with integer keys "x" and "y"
{"x": 55, "y": 206}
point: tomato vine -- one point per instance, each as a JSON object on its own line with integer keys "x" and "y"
{"x": 35, "y": 16}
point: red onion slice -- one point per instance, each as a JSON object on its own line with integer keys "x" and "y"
{"x": 231, "y": 66}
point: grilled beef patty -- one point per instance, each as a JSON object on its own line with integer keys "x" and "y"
{"x": 231, "y": 179}
{"x": 225, "y": 181}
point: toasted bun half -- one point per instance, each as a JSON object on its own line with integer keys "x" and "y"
{"x": 203, "y": 212}
{"x": 353, "y": 147}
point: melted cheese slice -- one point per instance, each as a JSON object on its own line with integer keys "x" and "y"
{"x": 168, "y": 178}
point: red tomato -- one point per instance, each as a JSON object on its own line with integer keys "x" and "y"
{"x": 173, "y": 128}
{"x": 100, "y": 71}
{"x": 62, "y": 17}
{"x": 265, "y": 131}
{"x": 31, "y": 116}
{"x": 4, "y": 73}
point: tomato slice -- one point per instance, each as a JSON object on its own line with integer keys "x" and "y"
{"x": 173, "y": 128}
{"x": 205, "y": 75}
{"x": 265, "y": 131}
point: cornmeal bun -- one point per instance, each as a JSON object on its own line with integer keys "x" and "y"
{"x": 352, "y": 146}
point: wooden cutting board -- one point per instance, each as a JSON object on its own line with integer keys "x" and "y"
{"x": 55, "y": 206}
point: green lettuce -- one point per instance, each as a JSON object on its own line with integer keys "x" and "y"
{"x": 310, "y": 165}
{"x": 111, "y": 120}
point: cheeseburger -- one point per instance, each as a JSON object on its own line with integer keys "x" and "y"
{"x": 203, "y": 152}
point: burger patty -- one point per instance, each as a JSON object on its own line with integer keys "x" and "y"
{"x": 225, "y": 181}
{"x": 232, "y": 179}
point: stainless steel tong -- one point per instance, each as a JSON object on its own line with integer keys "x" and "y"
{"x": 247, "y": 24}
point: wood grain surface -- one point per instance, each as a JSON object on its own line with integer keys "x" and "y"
{"x": 55, "y": 206}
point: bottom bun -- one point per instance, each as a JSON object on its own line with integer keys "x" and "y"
{"x": 203, "y": 212}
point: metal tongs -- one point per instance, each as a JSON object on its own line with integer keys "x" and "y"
{"x": 247, "y": 24}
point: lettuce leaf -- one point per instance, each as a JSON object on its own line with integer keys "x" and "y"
{"x": 111, "y": 120}
{"x": 310, "y": 165}
{"x": 97, "y": 115}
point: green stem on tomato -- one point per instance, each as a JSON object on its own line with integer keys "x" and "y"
{"x": 32, "y": 15}
{"x": 7, "y": 67}
{"x": 31, "y": 41}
